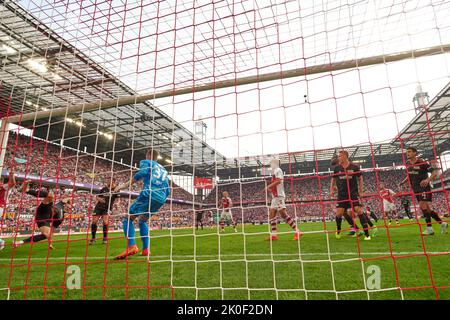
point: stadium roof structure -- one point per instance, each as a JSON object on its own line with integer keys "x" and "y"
{"x": 430, "y": 127}
{"x": 41, "y": 71}
{"x": 384, "y": 154}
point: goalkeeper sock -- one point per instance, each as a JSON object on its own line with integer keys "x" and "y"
{"x": 128, "y": 230}
{"x": 143, "y": 231}
{"x": 338, "y": 224}
{"x": 93, "y": 230}
{"x": 105, "y": 230}
{"x": 35, "y": 238}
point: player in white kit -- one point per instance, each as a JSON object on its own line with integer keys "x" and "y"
{"x": 5, "y": 187}
{"x": 278, "y": 205}
{"x": 225, "y": 205}
{"x": 388, "y": 203}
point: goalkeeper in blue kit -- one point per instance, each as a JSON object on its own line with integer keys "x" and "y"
{"x": 152, "y": 197}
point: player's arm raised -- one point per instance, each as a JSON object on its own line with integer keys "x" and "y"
{"x": 100, "y": 199}
{"x": 124, "y": 185}
{"x": 138, "y": 176}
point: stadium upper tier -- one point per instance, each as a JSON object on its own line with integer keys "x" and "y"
{"x": 33, "y": 157}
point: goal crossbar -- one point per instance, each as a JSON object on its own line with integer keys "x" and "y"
{"x": 317, "y": 69}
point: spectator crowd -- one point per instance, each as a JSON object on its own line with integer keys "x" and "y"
{"x": 307, "y": 196}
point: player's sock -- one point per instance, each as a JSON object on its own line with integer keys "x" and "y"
{"x": 273, "y": 226}
{"x": 143, "y": 231}
{"x": 363, "y": 220}
{"x": 369, "y": 222}
{"x": 291, "y": 222}
{"x": 105, "y": 231}
{"x": 351, "y": 222}
{"x": 339, "y": 224}
{"x": 427, "y": 215}
{"x": 35, "y": 238}
{"x": 435, "y": 216}
{"x": 93, "y": 230}
{"x": 374, "y": 217}
{"x": 128, "y": 230}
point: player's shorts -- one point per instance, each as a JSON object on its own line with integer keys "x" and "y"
{"x": 278, "y": 203}
{"x": 143, "y": 206}
{"x": 226, "y": 214}
{"x": 345, "y": 203}
{"x": 424, "y": 196}
{"x": 389, "y": 206}
{"x": 43, "y": 221}
{"x": 57, "y": 222}
{"x": 100, "y": 212}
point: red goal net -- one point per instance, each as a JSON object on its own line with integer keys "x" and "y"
{"x": 326, "y": 123}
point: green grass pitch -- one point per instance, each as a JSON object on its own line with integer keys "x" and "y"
{"x": 234, "y": 266}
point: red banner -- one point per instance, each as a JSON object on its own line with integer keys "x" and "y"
{"x": 203, "y": 183}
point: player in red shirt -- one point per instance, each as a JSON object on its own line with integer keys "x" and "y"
{"x": 278, "y": 205}
{"x": 226, "y": 204}
{"x": 389, "y": 207}
{"x": 5, "y": 186}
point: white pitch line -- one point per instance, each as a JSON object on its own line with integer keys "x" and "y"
{"x": 227, "y": 255}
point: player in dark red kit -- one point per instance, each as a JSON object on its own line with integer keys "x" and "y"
{"x": 105, "y": 201}
{"x": 420, "y": 173}
{"x": 348, "y": 182}
{"x": 199, "y": 215}
{"x": 49, "y": 214}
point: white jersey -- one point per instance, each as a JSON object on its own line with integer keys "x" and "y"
{"x": 387, "y": 195}
{"x": 4, "y": 192}
{"x": 278, "y": 191}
